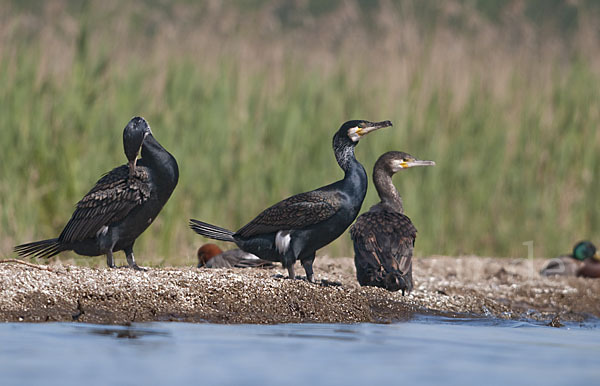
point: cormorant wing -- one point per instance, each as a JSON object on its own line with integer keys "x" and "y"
{"x": 295, "y": 212}
{"x": 110, "y": 200}
{"x": 387, "y": 237}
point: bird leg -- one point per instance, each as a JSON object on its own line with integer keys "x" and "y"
{"x": 110, "y": 260}
{"x": 131, "y": 260}
{"x": 307, "y": 264}
{"x": 292, "y": 274}
{"x": 288, "y": 259}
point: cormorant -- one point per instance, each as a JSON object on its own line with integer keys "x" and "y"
{"x": 121, "y": 205}
{"x": 211, "y": 256}
{"x": 296, "y": 227}
{"x": 384, "y": 237}
{"x": 584, "y": 261}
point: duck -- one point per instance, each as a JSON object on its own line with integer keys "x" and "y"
{"x": 581, "y": 262}
{"x": 211, "y": 256}
{"x": 295, "y": 228}
{"x": 120, "y": 206}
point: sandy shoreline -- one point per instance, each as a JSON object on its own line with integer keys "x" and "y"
{"x": 504, "y": 288}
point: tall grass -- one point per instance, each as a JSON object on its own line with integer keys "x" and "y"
{"x": 515, "y": 138}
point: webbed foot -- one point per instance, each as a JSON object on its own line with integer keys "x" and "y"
{"x": 138, "y": 268}
{"x": 328, "y": 283}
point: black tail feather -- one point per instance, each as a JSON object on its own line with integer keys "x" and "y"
{"x": 211, "y": 231}
{"x": 43, "y": 248}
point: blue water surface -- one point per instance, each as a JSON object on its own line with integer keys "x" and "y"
{"x": 427, "y": 350}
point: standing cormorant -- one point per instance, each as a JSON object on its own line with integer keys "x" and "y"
{"x": 384, "y": 237}
{"x": 296, "y": 227}
{"x": 121, "y": 205}
{"x": 211, "y": 256}
{"x": 581, "y": 262}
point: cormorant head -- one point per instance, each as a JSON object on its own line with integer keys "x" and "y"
{"x": 348, "y": 136}
{"x": 394, "y": 161}
{"x": 394, "y": 281}
{"x": 133, "y": 136}
{"x": 355, "y": 130}
{"x": 584, "y": 250}
{"x": 207, "y": 252}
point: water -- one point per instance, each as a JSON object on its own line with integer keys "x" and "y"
{"x": 424, "y": 351}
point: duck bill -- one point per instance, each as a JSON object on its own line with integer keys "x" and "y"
{"x": 596, "y": 256}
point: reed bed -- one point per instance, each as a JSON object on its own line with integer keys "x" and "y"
{"x": 247, "y": 97}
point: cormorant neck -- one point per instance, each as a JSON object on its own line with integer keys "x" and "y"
{"x": 355, "y": 177}
{"x": 157, "y": 157}
{"x": 344, "y": 152}
{"x": 387, "y": 191}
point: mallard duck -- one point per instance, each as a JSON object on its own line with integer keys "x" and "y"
{"x": 584, "y": 261}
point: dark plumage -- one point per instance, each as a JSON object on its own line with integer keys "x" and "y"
{"x": 590, "y": 268}
{"x": 296, "y": 227}
{"x": 121, "y": 205}
{"x": 384, "y": 237}
{"x": 211, "y": 256}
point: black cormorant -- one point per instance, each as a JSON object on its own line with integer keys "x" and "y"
{"x": 121, "y": 205}
{"x": 211, "y": 256}
{"x": 384, "y": 237}
{"x": 584, "y": 261}
{"x": 296, "y": 227}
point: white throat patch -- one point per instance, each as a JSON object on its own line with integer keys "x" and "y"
{"x": 354, "y": 134}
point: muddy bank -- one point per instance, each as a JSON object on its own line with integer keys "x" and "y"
{"x": 504, "y": 288}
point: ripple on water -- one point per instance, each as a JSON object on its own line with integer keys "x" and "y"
{"x": 427, "y": 350}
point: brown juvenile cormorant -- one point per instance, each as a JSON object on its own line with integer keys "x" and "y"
{"x": 296, "y": 227}
{"x": 584, "y": 261}
{"x": 211, "y": 256}
{"x": 121, "y": 205}
{"x": 384, "y": 237}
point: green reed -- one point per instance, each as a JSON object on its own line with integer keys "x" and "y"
{"x": 511, "y": 168}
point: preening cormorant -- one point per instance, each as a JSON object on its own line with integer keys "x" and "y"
{"x": 211, "y": 256}
{"x": 384, "y": 237}
{"x": 121, "y": 205}
{"x": 584, "y": 261}
{"x": 296, "y": 227}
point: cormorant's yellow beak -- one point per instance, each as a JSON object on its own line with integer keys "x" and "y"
{"x": 356, "y": 133}
{"x": 397, "y": 165}
{"x": 418, "y": 162}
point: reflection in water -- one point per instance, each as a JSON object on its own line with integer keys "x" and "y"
{"x": 302, "y": 335}
{"x": 427, "y": 350}
{"x": 127, "y": 332}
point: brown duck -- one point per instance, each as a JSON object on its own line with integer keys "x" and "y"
{"x": 211, "y": 256}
